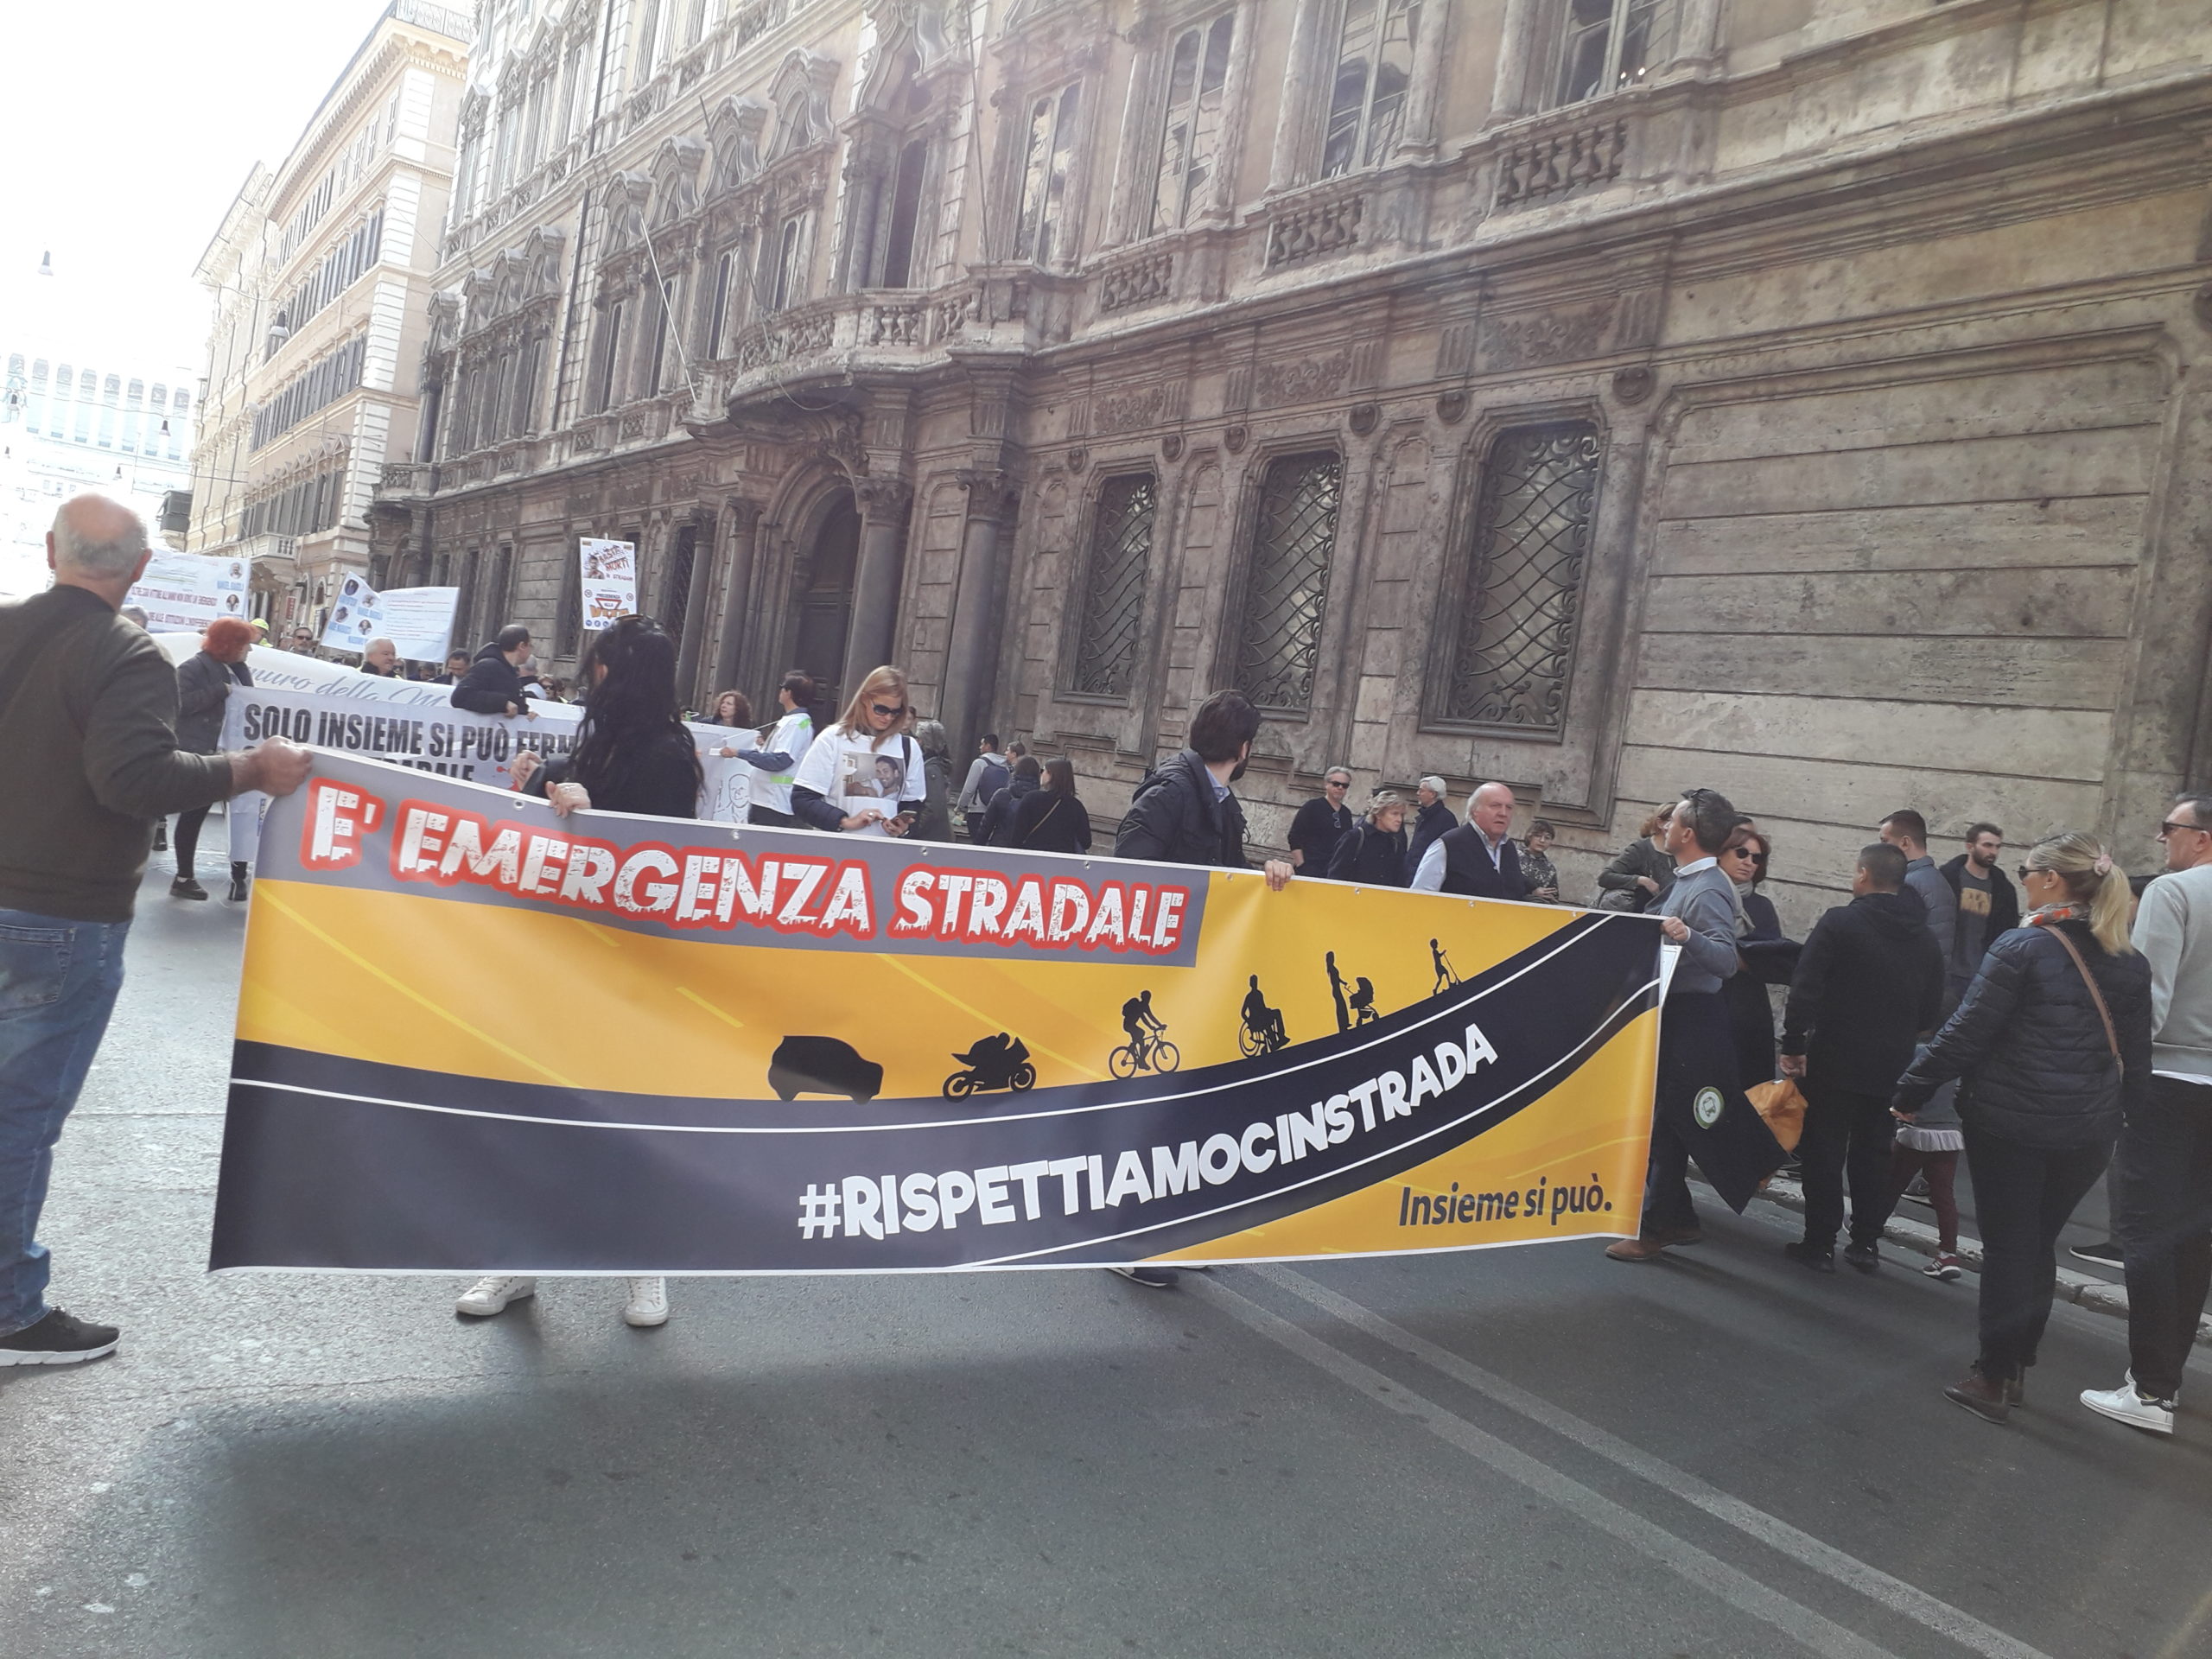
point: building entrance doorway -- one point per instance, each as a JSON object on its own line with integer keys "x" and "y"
{"x": 825, "y": 608}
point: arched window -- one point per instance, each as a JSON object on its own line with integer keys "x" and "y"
{"x": 1048, "y": 157}
{"x": 1512, "y": 650}
{"x": 1287, "y": 584}
{"x": 1189, "y": 139}
{"x": 1374, "y": 66}
{"x": 1603, "y": 45}
{"x": 1103, "y": 662}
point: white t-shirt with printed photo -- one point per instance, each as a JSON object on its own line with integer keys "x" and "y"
{"x": 850, "y": 771}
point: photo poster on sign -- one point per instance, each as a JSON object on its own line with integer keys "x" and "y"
{"x": 182, "y": 592}
{"x": 610, "y": 580}
{"x": 417, "y": 620}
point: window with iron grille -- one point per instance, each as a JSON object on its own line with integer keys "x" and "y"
{"x": 675, "y": 590}
{"x": 1279, "y": 642}
{"x": 1513, "y": 646}
{"x": 1112, "y": 602}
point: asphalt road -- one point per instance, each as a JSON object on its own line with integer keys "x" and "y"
{"x": 1532, "y": 1452}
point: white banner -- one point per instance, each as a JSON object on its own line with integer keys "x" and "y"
{"x": 184, "y": 592}
{"x": 417, "y": 620}
{"x": 610, "y": 580}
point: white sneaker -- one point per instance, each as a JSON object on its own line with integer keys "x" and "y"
{"x": 491, "y": 1295}
{"x": 648, "y": 1303}
{"x": 2124, "y": 1405}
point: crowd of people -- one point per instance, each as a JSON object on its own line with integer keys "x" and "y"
{"x": 1938, "y": 1014}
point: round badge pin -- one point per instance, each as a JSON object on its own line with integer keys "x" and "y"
{"x": 1705, "y": 1107}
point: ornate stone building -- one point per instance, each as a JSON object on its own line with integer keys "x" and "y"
{"x": 320, "y": 276}
{"x": 1804, "y": 397}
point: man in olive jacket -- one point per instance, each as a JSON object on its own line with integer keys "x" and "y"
{"x": 88, "y": 716}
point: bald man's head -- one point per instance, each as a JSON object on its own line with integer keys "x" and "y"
{"x": 1491, "y": 809}
{"x": 96, "y": 538}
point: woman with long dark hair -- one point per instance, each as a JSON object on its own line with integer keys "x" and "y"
{"x": 2054, "y": 1036}
{"x": 633, "y": 754}
{"x": 1050, "y": 819}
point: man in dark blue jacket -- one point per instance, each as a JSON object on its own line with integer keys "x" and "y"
{"x": 493, "y": 683}
{"x": 1184, "y": 812}
{"x": 1869, "y": 985}
{"x": 1433, "y": 818}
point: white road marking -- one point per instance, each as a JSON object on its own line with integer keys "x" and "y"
{"x": 1811, "y": 1630}
{"x": 1802, "y": 1548}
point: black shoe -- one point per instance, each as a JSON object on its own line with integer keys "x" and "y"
{"x": 160, "y": 834}
{"x": 1150, "y": 1278}
{"x": 185, "y": 887}
{"x": 237, "y": 884}
{"x": 1865, "y": 1257}
{"x": 2106, "y": 1254}
{"x": 1811, "y": 1255}
{"x": 1986, "y": 1399}
{"x": 57, "y": 1339}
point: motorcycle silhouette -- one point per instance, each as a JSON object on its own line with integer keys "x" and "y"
{"x": 1000, "y": 1062}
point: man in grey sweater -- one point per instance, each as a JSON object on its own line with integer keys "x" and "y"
{"x": 2165, "y": 1151}
{"x": 1907, "y": 831}
{"x": 87, "y": 717}
{"x": 1700, "y": 1110}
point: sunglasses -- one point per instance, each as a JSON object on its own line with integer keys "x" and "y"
{"x": 2168, "y": 828}
{"x": 2025, "y": 870}
{"x": 886, "y": 709}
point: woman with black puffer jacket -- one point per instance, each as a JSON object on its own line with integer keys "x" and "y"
{"x": 2053, "y": 1038}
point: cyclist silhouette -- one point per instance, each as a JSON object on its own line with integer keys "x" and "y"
{"x": 1445, "y": 979}
{"x": 1263, "y": 1033}
{"x": 1137, "y": 1020}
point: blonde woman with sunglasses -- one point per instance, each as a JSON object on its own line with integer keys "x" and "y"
{"x": 2053, "y": 1037}
{"x": 864, "y": 776}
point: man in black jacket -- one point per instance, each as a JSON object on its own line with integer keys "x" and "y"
{"x": 87, "y": 723}
{"x": 1321, "y": 823}
{"x": 1868, "y": 984}
{"x": 493, "y": 683}
{"x": 1987, "y": 904}
{"x": 1433, "y": 818}
{"x": 1184, "y": 812}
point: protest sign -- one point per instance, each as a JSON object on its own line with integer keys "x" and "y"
{"x": 610, "y": 580}
{"x": 417, "y": 620}
{"x": 184, "y": 592}
{"x": 807, "y": 1053}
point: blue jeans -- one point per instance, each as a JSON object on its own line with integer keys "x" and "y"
{"x": 58, "y": 981}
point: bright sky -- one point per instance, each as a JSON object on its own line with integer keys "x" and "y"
{"x": 131, "y": 124}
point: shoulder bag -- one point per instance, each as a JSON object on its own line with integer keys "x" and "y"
{"x": 2112, "y": 1037}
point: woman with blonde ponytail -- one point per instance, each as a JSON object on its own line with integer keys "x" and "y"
{"x": 2053, "y": 1038}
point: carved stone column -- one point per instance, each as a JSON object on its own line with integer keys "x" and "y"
{"x": 1418, "y": 137}
{"x": 1517, "y": 91}
{"x": 1297, "y": 111}
{"x": 879, "y": 573}
{"x": 971, "y": 655}
{"x": 744, "y": 520}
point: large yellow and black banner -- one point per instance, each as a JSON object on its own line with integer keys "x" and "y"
{"x": 473, "y": 1036}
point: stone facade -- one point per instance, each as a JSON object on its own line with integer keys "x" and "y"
{"x": 320, "y": 278}
{"x": 1794, "y": 396}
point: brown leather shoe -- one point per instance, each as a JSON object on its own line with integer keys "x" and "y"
{"x": 1637, "y": 1250}
{"x": 1988, "y": 1400}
